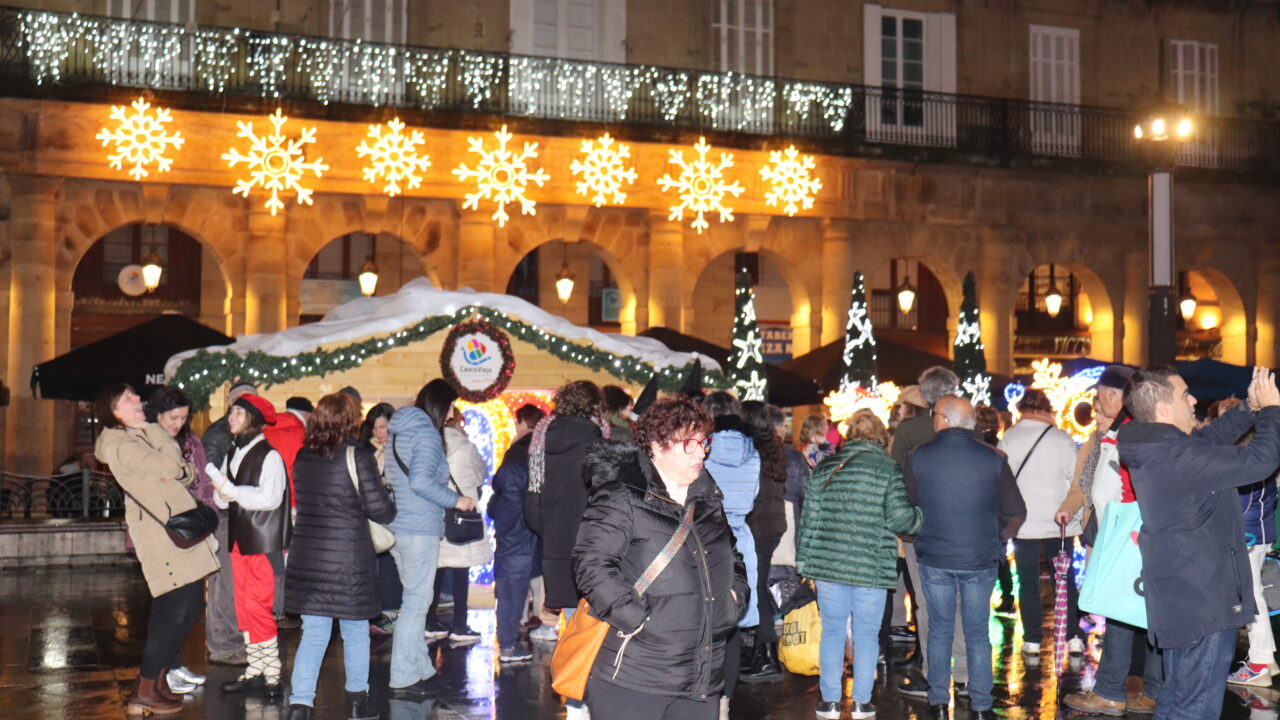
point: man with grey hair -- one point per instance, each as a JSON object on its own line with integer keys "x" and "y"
{"x": 971, "y": 506}
{"x": 1195, "y": 569}
{"x": 935, "y": 382}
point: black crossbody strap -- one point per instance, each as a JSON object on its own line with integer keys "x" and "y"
{"x": 1029, "y": 452}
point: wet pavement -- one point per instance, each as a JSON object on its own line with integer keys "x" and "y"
{"x": 70, "y": 641}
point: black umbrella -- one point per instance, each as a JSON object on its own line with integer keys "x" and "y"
{"x": 136, "y": 356}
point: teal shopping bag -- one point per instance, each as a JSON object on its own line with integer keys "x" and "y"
{"x": 1113, "y": 580}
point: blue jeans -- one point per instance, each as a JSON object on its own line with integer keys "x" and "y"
{"x": 1195, "y": 677}
{"x": 1117, "y": 655}
{"x": 415, "y": 557}
{"x": 837, "y": 602}
{"x": 974, "y": 588}
{"x": 512, "y": 572}
{"x": 316, "y": 631}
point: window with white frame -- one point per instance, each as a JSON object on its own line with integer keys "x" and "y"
{"x": 1194, "y": 73}
{"x": 1054, "y": 67}
{"x": 593, "y": 30}
{"x": 907, "y": 54}
{"x": 379, "y": 21}
{"x": 742, "y": 36}
{"x": 179, "y": 12}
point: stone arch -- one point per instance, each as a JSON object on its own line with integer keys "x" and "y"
{"x": 946, "y": 281}
{"x": 397, "y": 261}
{"x": 428, "y": 226}
{"x": 1102, "y": 323}
{"x": 717, "y": 276}
{"x": 1233, "y": 326}
{"x": 612, "y": 234}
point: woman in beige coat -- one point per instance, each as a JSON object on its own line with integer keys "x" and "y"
{"x": 468, "y": 473}
{"x": 148, "y": 464}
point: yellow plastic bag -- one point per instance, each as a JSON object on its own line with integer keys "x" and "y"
{"x": 801, "y": 635}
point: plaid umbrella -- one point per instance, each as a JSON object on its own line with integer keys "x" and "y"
{"x": 1061, "y": 569}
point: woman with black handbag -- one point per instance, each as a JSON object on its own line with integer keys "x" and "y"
{"x": 465, "y": 544}
{"x": 148, "y": 464}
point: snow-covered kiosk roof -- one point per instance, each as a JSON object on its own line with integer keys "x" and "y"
{"x": 387, "y": 347}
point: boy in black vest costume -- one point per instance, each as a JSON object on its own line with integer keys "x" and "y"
{"x": 253, "y": 486}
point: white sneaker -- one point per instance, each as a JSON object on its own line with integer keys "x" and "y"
{"x": 724, "y": 708}
{"x": 1031, "y": 648}
{"x": 546, "y": 633}
{"x": 177, "y": 685}
{"x": 186, "y": 675}
{"x": 1075, "y": 646}
{"x": 576, "y": 712}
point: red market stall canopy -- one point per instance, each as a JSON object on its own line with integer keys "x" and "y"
{"x": 136, "y": 356}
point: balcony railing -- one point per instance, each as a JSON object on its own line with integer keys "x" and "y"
{"x": 40, "y": 50}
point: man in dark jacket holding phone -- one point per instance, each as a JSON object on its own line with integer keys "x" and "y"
{"x": 1195, "y": 573}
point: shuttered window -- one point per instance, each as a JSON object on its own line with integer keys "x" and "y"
{"x": 179, "y": 12}
{"x": 380, "y": 21}
{"x": 742, "y": 36}
{"x": 1194, "y": 68}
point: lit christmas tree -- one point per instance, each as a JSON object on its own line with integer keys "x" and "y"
{"x": 859, "y": 343}
{"x": 746, "y": 363}
{"x": 971, "y": 363}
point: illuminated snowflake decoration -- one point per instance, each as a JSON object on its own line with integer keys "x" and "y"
{"x": 701, "y": 186}
{"x": 275, "y": 162}
{"x": 790, "y": 175}
{"x": 501, "y": 176}
{"x": 393, "y": 155}
{"x": 604, "y": 170}
{"x": 140, "y": 139}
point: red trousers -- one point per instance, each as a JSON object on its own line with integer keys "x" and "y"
{"x": 255, "y": 588}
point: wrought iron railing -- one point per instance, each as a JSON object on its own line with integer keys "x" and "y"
{"x": 49, "y": 53}
{"x": 77, "y": 494}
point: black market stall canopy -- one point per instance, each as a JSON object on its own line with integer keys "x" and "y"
{"x": 786, "y": 389}
{"x": 897, "y": 363}
{"x": 135, "y": 356}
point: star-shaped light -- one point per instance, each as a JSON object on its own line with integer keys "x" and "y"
{"x": 751, "y": 347}
{"x": 393, "y": 155}
{"x": 140, "y": 138}
{"x": 790, "y": 174}
{"x": 604, "y": 170}
{"x": 501, "y": 176}
{"x": 275, "y": 162}
{"x": 701, "y": 186}
{"x": 752, "y": 388}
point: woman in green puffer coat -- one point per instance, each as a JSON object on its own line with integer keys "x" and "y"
{"x": 854, "y": 508}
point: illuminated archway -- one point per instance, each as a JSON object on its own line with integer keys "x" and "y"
{"x": 331, "y": 277}
{"x": 1079, "y": 322}
{"x": 777, "y": 301}
{"x": 1219, "y": 326}
{"x": 600, "y": 293}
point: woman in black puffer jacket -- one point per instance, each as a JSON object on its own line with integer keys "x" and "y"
{"x": 664, "y": 655}
{"x": 332, "y": 567}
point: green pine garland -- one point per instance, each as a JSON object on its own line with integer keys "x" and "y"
{"x": 203, "y": 373}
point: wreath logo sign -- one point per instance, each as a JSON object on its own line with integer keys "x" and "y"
{"x": 477, "y": 360}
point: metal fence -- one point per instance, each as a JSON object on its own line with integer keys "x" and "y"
{"x": 79, "y": 494}
{"x": 45, "y": 53}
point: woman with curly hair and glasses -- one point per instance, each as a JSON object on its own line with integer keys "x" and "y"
{"x": 332, "y": 567}
{"x": 664, "y": 655}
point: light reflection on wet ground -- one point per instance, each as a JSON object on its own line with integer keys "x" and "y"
{"x": 70, "y": 641}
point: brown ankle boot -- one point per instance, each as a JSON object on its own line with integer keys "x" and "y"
{"x": 147, "y": 700}
{"x": 162, "y": 687}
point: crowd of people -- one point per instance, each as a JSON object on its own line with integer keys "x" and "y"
{"x": 682, "y": 522}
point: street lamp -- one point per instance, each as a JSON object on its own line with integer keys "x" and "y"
{"x": 1160, "y": 135}
{"x": 1053, "y": 301}
{"x": 151, "y": 271}
{"x": 564, "y": 283}
{"x": 906, "y": 297}
{"x": 368, "y": 278}
{"x": 1187, "y": 306}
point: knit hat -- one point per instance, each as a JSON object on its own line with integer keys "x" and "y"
{"x": 242, "y": 386}
{"x": 1115, "y": 376}
{"x": 299, "y": 403}
{"x": 259, "y": 407}
{"x": 348, "y": 390}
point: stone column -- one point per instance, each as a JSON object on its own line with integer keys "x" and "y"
{"x": 476, "y": 236}
{"x": 666, "y": 272}
{"x": 837, "y": 278}
{"x": 266, "y": 278}
{"x": 32, "y": 231}
{"x": 1136, "y": 280}
{"x": 1268, "y": 312}
{"x": 997, "y": 284}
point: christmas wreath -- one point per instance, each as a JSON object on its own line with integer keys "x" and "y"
{"x": 490, "y": 330}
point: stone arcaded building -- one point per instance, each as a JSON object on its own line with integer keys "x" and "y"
{"x": 949, "y": 137}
